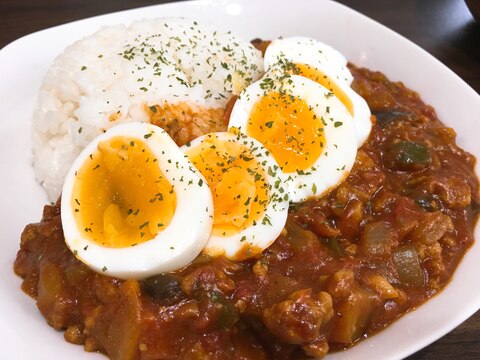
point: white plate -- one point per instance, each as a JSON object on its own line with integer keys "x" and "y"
{"x": 24, "y": 333}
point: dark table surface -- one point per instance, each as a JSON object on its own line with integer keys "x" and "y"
{"x": 445, "y": 28}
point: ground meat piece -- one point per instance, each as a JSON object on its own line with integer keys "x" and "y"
{"x": 74, "y": 334}
{"x": 341, "y": 283}
{"x": 405, "y": 215}
{"x": 431, "y": 228}
{"x": 317, "y": 348}
{"x": 260, "y": 269}
{"x": 381, "y": 286}
{"x": 197, "y": 352}
{"x": 317, "y": 221}
{"x": 382, "y": 201}
{"x": 432, "y": 254}
{"x": 360, "y": 187}
{"x": 300, "y": 318}
{"x": 350, "y": 221}
{"x": 207, "y": 278}
{"x": 376, "y": 94}
{"x": 453, "y": 191}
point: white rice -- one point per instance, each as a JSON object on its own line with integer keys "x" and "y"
{"x": 118, "y": 70}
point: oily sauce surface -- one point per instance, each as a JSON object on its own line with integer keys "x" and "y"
{"x": 346, "y": 265}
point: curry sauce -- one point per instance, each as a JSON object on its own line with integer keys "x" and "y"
{"x": 346, "y": 265}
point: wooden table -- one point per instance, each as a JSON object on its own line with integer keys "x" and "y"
{"x": 444, "y": 28}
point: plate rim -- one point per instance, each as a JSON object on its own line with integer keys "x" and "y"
{"x": 466, "y": 313}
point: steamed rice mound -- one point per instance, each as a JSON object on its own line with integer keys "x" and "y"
{"x": 172, "y": 72}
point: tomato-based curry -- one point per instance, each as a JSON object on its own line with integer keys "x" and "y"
{"x": 346, "y": 265}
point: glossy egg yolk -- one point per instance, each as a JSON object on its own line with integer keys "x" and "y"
{"x": 319, "y": 77}
{"x": 121, "y": 197}
{"x": 239, "y": 187}
{"x": 289, "y": 128}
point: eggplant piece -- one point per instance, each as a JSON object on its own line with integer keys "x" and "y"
{"x": 407, "y": 155}
{"x": 429, "y": 203}
{"x": 386, "y": 117}
{"x": 228, "y": 315}
{"x": 164, "y": 286}
{"x": 334, "y": 247}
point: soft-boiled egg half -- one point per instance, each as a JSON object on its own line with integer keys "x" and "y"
{"x": 304, "y": 126}
{"x": 305, "y": 50}
{"x": 248, "y": 189}
{"x": 325, "y": 65}
{"x": 133, "y": 205}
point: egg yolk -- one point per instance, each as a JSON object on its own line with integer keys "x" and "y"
{"x": 121, "y": 197}
{"x": 239, "y": 187}
{"x": 319, "y": 77}
{"x": 289, "y": 128}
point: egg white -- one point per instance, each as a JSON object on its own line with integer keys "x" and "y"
{"x": 264, "y": 232}
{"x": 340, "y": 148}
{"x": 176, "y": 245}
{"x": 305, "y": 50}
{"x": 282, "y": 53}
